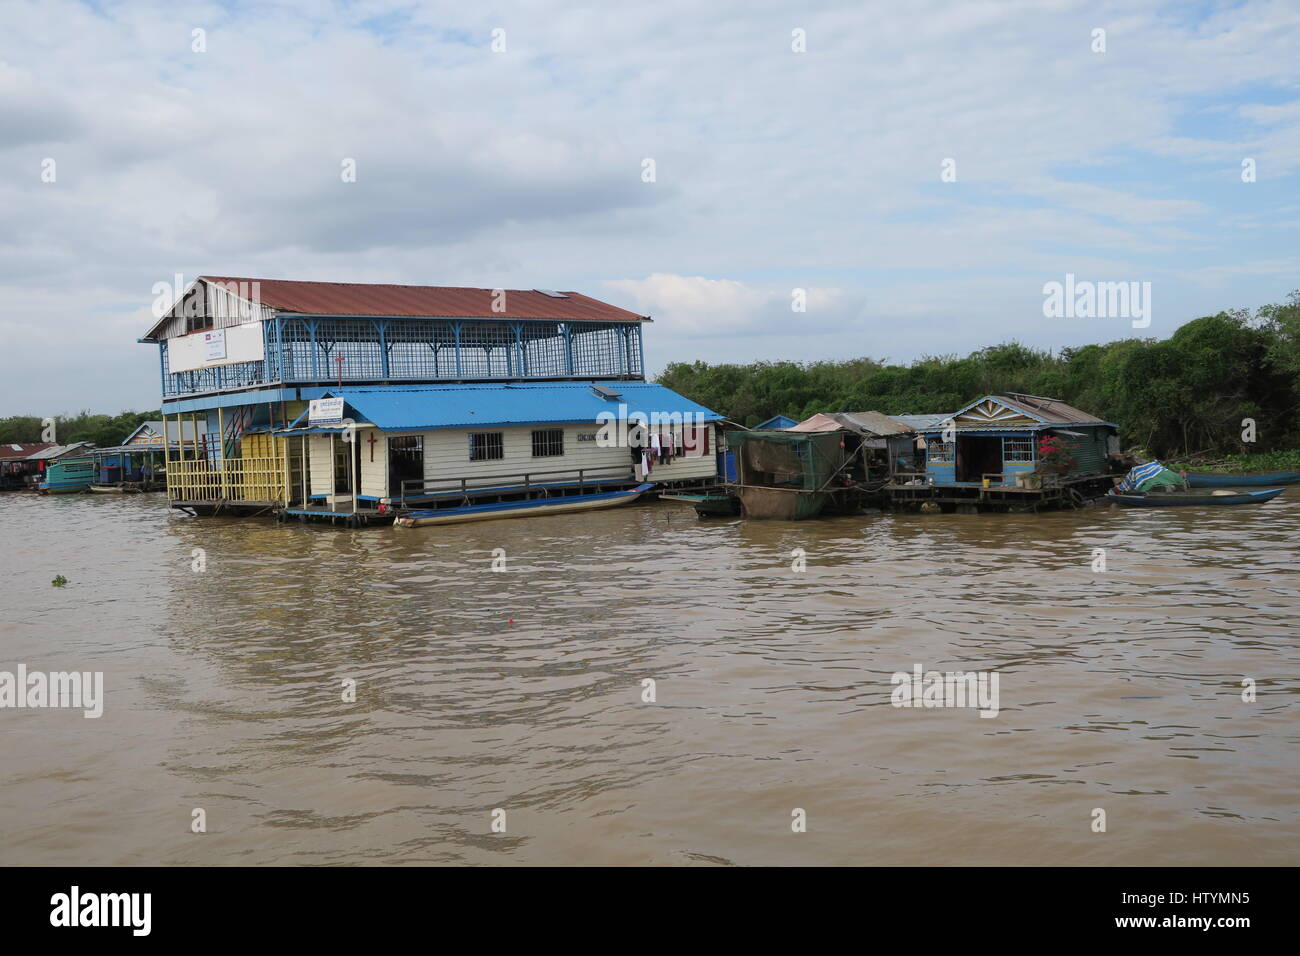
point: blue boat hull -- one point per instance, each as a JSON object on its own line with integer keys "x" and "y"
{"x": 1235, "y": 481}
{"x": 1174, "y": 499}
{"x": 520, "y": 509}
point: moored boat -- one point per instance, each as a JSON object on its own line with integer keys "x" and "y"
{"x": 1269, "y": 479}
{"x": 1167, "y": 499}
{"x": 717, "y": 505}
{"x": 68, "y": 477}
{"x": 531, "y": 507}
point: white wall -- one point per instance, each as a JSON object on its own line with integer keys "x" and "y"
{"x": 446, "y": 457}
{"x": 374, "y": 474}
{"x": 321, "y": 464}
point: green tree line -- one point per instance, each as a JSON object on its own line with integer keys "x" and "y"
{"x": 1181, "y": 396}
{"x": 106, "y": 431}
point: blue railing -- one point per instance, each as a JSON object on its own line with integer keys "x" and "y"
{"x": 302, "y": 351}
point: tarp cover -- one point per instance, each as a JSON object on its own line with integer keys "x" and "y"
{"x": 1151, "y": 475}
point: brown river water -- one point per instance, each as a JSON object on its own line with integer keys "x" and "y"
{"x": 1119, "y": 690}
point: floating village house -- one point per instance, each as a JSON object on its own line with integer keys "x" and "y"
{"x": 138, "y": 463}
{"x": 36, "y": 464}
{"x": 355, "y": 399}
{"x": 989, "y": 452}
{"x": 828, "y": 463}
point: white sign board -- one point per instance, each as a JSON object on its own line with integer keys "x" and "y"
{"x": 214, "y": 345}
{"x": 240, "y": 343}
{"x": 325, "y": 411}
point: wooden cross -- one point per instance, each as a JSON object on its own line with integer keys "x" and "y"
{"x": 372, "y": 439}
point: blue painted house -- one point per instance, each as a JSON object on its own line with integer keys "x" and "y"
{"x": 997, "y": 438}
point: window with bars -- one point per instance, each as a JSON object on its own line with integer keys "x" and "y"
{"x": 1020, "y": 450}
{"x": 484, "y": 446}
{"x": 548, "y": 442}
{"x": 941, "y": 452}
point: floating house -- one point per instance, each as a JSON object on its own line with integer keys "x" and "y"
{"x": 387, "y": 450}
{"x": 17, "y": 466}
{"x": 139, "y": 463}
{"x": 43, "y": 465}
{"x": 775, "y": 423}
{"x": 356, "y": 400}
{"x": 990, "y": 453}
{"x": 883, "y": 442}
{"x": 830, "y": 462}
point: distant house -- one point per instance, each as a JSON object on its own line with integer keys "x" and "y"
{"x": 997, "y": 438}
{"x": 151, "y": 434}
{"x": 16, "y": 463}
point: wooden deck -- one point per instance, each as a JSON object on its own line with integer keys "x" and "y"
{"x": 1068, "y": 493}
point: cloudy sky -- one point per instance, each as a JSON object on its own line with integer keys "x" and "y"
{"x": 524, "y": 166}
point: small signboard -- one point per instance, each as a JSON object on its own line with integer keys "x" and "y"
{"x": 325, "y": 411}
{"x": 214, "y": 345}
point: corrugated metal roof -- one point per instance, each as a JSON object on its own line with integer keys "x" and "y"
{"x": 359, "y": 298}
{"x": 922, "y": 421}
{"x": 1051, "y": 410}
{"x": 875, "y": 424}
{"x": 51, "y": 452}
{"x": 16, "y": 451}
{"x": 186, "y": 431}
{"x": 872, "y": 423}
{"x": 426, "y": 407}
{"x": 776, "y": 423}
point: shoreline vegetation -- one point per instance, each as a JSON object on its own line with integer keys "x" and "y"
{"x": 1240, "y": 464}
{"x": 106, "y": 431}
{"x": 1190, "y": 397}
{"x": 1187, "y": 399}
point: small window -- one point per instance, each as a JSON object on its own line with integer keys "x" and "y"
{"x": 548, "y": 442}
{"x": 1019, "y": 450}
{"x": 484, "y": 446}
{"x": 940, "y": 452}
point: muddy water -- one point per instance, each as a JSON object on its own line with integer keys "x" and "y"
{"x": 1118, "y": 690}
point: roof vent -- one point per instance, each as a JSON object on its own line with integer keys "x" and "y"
{"x": 605, "y": 392}
{"x": 552, "y": 293}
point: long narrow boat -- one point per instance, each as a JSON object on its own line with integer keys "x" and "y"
{"x": 1169, "y": 499}
{"x": 708, "y": 506}
{"x": 520, "y": 509}
{"x": 1269, "y": 480}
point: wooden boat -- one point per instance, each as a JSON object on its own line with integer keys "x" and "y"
{"x": 709, "y": 506}
{"x": 1167, "y": 499}
{"x": 114, "y": 489}
{"x": 531, "y": 507}
{"x": 1269, "y": 480}
{"x": 68, "y": 477}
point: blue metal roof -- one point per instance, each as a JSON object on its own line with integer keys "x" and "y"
{"x": 776, "y": 422}
{"x": 426, "y": 407}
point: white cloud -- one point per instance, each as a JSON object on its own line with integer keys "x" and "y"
{"x": 776, "y": 170}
